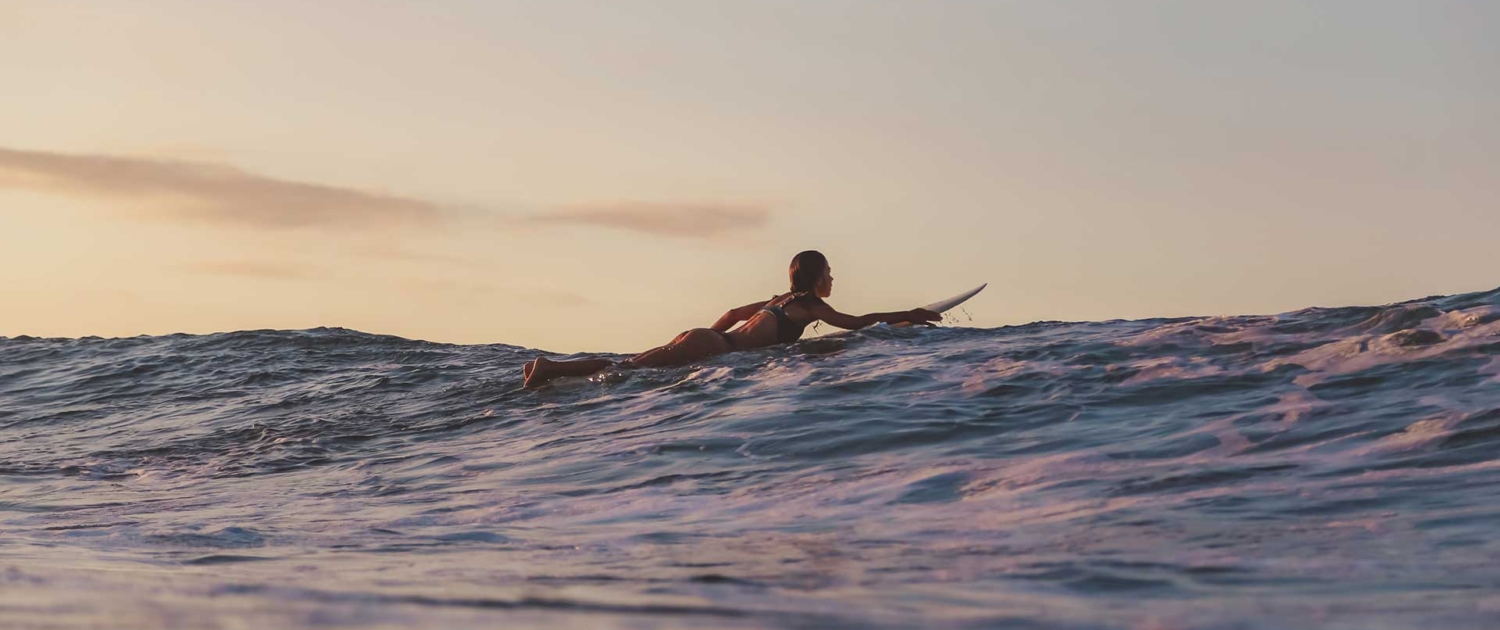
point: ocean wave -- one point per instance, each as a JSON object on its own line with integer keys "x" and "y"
{"x": 1232, "y": 472}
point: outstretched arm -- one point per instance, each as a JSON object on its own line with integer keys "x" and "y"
{"x": 855, "y": 322}
{"x": 736, "y": 315}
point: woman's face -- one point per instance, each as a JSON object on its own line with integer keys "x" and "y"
{"x": 825, "y": 284}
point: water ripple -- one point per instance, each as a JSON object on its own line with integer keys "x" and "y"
{"x": 1320, "y": 468}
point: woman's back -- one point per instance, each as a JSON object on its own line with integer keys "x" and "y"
{"x": 782, "y": 320}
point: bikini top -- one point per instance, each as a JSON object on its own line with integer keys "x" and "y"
{"x": 787, "y": 330}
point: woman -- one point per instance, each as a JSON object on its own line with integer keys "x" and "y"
{"x": 778, "y": 320}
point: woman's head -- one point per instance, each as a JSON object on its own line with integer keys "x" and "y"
{"x": 810, "y": 273}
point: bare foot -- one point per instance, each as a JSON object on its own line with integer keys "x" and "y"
{"x": 538, "y": 372}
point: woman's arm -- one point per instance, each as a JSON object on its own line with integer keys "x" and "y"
{"x": 823, "y": 311}
{"x": 736, "y": 315}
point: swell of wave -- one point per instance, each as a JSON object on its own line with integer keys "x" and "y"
{"x": 1097, "y": 474}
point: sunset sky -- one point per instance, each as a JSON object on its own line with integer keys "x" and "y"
{"x": 575, "y": 175}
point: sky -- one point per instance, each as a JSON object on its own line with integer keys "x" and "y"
{"x": 599, "y": 176}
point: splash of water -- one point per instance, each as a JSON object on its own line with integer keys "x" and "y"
{"x": 1322, "y": 468}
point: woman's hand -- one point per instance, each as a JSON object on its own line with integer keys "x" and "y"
{"x": 922, "y": 316}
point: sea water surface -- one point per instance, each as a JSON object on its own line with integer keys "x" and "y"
{"x": 1326, "y": 468}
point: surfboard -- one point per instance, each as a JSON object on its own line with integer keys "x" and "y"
{"x": 944, "y": 305}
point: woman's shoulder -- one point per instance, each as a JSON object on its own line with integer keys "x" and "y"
{"x": 808, "y": 298}
{"x": 800, "y": 298}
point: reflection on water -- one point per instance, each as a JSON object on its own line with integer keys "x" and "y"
{"x": 1323, "y": 468}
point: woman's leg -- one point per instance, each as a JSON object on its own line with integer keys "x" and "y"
{"x": 583, "y": 367}
{"x": 689, "y": 347}
{"x": 694, "y": 345}
{"x": 543, "y": 369}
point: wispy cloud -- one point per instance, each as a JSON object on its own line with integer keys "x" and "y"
{"x": 249, "y": 269}
{"x": 679, "y": 220}
{"x": 209, "y": 192}
{"x": 544, "y": 295}
{"x": 436, "y": 287}
{"x": 226, "y": 195}
{"x": 388, "y": 252}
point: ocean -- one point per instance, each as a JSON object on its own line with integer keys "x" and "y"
{"x": 1324, "y": 468}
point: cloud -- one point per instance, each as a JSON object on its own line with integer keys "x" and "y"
{"x": 210, "y": 192}
{"x": 437, "y": 287}
{"x": 249, "y": 269}
{"x": 556, "y": 297}
{"x": 387, "y": 252}
{"x": 542, "y": 295}
{"x": 226, "y": 195}
{"x": 678, "y": 220}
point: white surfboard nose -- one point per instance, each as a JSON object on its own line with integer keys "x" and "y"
{"x": 943, "y": 305}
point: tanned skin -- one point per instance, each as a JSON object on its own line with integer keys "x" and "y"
{"x": 759, "y": 330}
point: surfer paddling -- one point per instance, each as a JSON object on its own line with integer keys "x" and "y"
{"x": 779, "y": 320}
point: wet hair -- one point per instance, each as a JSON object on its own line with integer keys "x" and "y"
{"x": 807, "y": 269}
